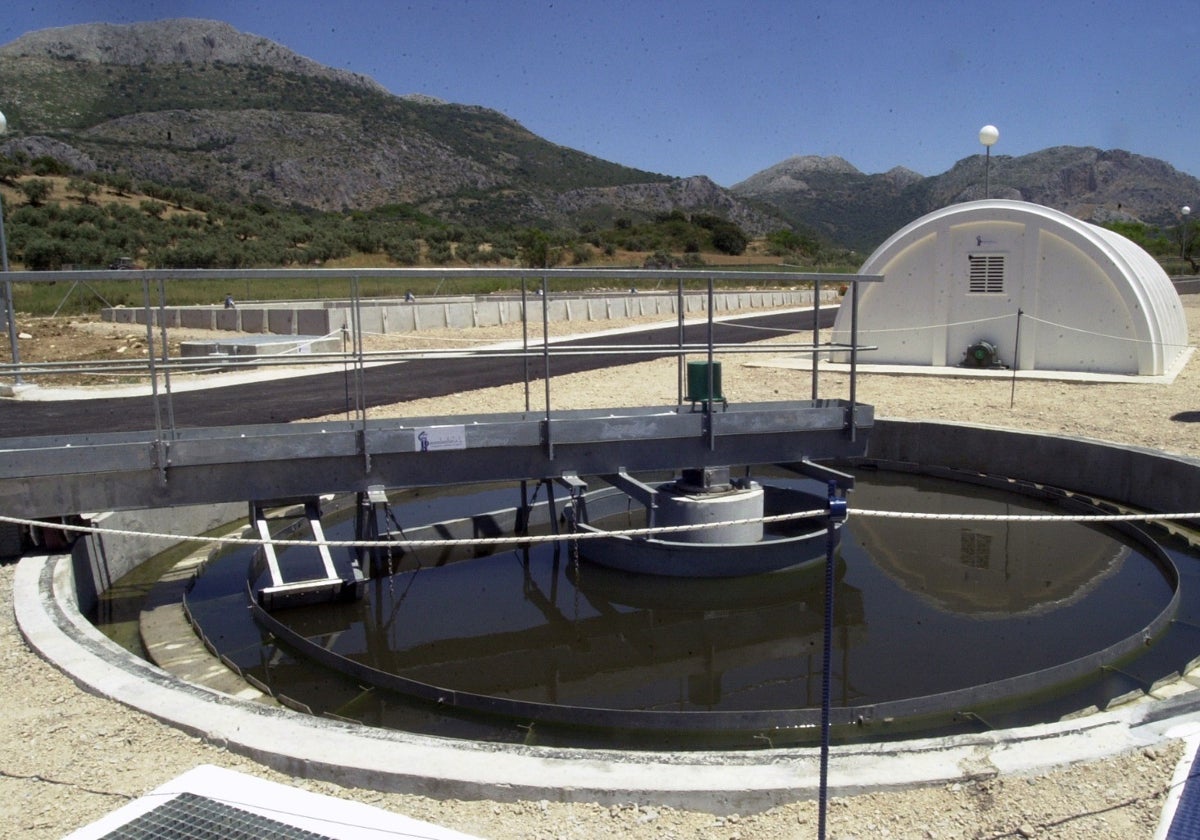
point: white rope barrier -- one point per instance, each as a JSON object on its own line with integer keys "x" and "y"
{"x": 300, "y": 344}
{"x": 784, "y": 330}
{"x": 411, "y": 543}
{"x": 1027, "y": 517}
{"x": 404, "y": 542}
{"x": 1101, "y": 335}
{"x": 871, "y": 331}
{"x": 866, "y": 331}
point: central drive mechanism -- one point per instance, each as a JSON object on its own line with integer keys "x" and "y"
{"x": 704, "y": 496}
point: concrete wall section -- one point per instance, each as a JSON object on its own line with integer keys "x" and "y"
{"x": 228, "y": 319}
{"x": 400, "y": 319}
{"x": 200, "y": 318}
{"x": 253, "y": 320}
{"x": 281, "y": 321}
{"x": 460, "y": 315}
{"x": 385, "y": 317}
{"x": 312, "y": 322}
{"x": 101, "y": 559}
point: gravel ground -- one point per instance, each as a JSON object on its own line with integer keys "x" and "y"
{"x": 68, "y": 757}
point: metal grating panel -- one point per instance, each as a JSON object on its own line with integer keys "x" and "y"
{"x": 191, "y": 817}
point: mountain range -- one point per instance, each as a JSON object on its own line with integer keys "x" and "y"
{"x": 831, "y": 196}
{"x": 198, "y": 104}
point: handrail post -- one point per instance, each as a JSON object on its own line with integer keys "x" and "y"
{"x": 546, "y": 360}
{"x": 708, "y": 403}
{"x": 8, "y": 302}
{"x": 522, "y": 523}
{"x": 853, "y": 356}
{"x": 160, "y": 447}
{"x": 1012, "y": 395}
{"x": 359, "y": 360}
{"x": 816, "y": 329}
{"x": 360, "y": 382}
{"x": 166, "y": 354}
{"x": 525, "y": 338}
{"x": 679, "y": 358}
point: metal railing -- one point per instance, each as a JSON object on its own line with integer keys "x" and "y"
{"x": 537, "y": 289}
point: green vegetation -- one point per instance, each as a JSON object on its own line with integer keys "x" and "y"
{"x": 58, "y": 218}
{"x": 1174, "y": 246}
{"x": 89, "y": 221}
{"x": 483, "y": 201}
{"x": 59, "y": 222}
{"x": 66, "y": 97}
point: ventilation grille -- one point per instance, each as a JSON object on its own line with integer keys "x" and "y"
{"x": 987, "y": 274}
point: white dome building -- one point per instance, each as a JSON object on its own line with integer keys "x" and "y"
{"x": 1089, "y": 299}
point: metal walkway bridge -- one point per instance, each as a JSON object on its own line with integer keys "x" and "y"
{"x": 172, "y": 448}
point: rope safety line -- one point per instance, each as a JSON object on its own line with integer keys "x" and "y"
{"x": 867, "y": 330}
{"x": 754, "y": 328}
{"x": 1102, "y": 335}
{"x": 629, "y": 532}
{"x": 863, "y": 331}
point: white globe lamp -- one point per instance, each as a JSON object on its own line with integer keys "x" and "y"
{"x": 988, "y": 135}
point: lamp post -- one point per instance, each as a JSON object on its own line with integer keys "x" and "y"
{"x": 1185, "y": 211}
{"x": 988, "y": 135}
{"x": 8, "y": 300}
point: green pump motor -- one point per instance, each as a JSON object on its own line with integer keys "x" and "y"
{"x": 982, "y": 354}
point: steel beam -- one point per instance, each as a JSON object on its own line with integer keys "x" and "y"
{"x": 59, "y": 475}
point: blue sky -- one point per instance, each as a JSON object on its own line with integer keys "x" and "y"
{"x": 726, "y": 89}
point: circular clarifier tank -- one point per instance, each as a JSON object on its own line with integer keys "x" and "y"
{"x": 939, "y": 626}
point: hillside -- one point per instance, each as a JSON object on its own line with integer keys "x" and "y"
{"x": 831, "y": 196}
{"x": 197, "y": 104}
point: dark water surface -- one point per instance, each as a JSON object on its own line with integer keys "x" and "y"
{"x": 921, "y": 607}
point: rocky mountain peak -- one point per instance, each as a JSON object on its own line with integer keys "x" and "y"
{"x": 902, "y": 176}
{"x": 818, "y": 163}
{"x": 176, "y": 41}
{"x": 794, "y": 173}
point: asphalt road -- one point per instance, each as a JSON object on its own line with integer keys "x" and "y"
{"x": 297, "y": 398}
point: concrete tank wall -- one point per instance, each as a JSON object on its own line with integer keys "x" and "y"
{"x": 101, "y": 559}
{"x": 1139, "y": 477}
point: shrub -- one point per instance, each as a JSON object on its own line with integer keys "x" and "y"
{"x": 728, "y": 238}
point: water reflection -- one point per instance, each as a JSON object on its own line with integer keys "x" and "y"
{"x": 920, "y": 608}
{"x": 978, "y": 568}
